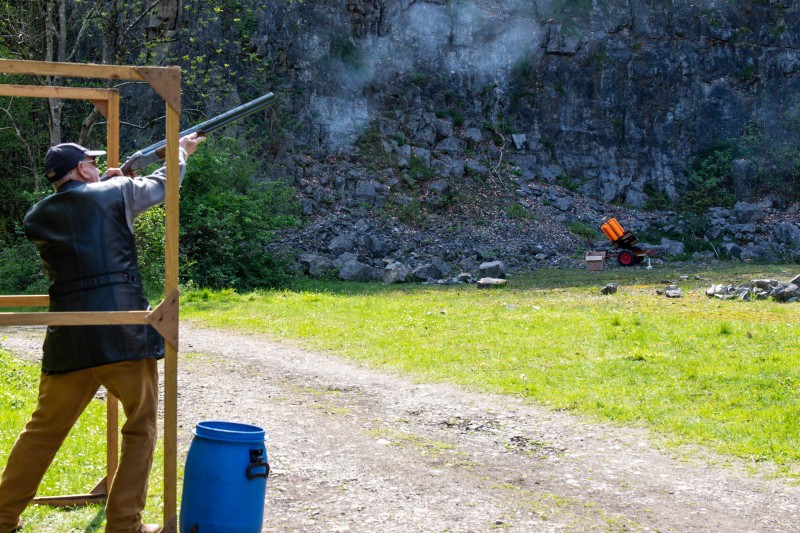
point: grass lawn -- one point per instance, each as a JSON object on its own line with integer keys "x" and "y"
{"x": 723, "y": 374}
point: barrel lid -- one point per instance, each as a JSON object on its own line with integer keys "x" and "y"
{"x": 229, "y": 431}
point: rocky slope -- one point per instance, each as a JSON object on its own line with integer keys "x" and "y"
{"x": 493, "y": 121}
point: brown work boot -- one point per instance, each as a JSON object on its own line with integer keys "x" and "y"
{"x": 150, "y": 528}
{"x": 19, "y": 526}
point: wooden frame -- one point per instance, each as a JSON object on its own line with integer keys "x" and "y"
{"x": 166, "y": 82}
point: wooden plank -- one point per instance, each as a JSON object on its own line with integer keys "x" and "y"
{"x": 96, "y": 318}
{"x": 164, "y": 318}
{"x": 166, "y": 82}
{"x": 67, "y": 93}
{"x": 33, "y": 300}
{"x": 171, "y": 352}
{"x": 112, "y": 404}
{"x": 112, "y": 130}
{"x": 71, "y": 500}
{"x": 171, "y": 526}
{"x": 71, "y": 70}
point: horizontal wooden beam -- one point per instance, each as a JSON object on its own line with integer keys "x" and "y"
{"x": 32, "y": 300}
{"x": 70, "y": 501}
{"x": 91, "y": 318}
{"x": 97, "y": 495}
{"x": 46, "y": 91}
{"x": 71, "y": 70}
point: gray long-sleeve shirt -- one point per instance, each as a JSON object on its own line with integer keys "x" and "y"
{"x": 143, "y": 192}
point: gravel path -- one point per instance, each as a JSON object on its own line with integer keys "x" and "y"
{"x": 354, "y": 449}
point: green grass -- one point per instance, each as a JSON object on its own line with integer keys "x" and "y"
{"x": 78, "y": 466}
{"x": 722, "y": 374}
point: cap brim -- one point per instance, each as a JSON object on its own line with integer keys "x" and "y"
{"x": 95, "y": 153}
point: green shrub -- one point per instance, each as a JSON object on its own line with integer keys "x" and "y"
{"x": 418, "y": 169}
{"x": 453, "y": 114}
{"x": 21, "y": 270}
{"x": 710, "y": 181}
{"x": 228, "y": 220}
{"x": 516, "y": 211}
{"x": 149, "y": 230}
{"x": 582, "y": 230}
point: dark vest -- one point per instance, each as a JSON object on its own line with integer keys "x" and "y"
{"x": 90, "y": 255}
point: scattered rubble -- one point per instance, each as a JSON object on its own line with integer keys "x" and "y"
{"x": 758, "y": 289}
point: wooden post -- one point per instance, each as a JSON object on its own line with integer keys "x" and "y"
{"x": 112, "y": 405}
{"x": 166, "y": 82}
{"x": 170, "y": 351}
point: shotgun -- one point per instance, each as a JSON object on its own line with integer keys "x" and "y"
{"x": 156, "y": 152}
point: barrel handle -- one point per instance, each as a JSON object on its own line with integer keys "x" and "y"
{"x": 252, "y": 466}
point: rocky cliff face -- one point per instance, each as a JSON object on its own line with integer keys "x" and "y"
{"x": 614, "y": 95}
{"x": 402, "y": 101}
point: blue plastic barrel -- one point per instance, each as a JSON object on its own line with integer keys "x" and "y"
{"x": 225, "y": 479}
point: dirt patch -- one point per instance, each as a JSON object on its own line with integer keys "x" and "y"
{"x": 354, "y": 449}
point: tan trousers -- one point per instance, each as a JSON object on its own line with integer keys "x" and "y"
{"x": 62, "y": 398}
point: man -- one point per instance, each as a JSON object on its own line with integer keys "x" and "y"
{"x": 84, "y": 233}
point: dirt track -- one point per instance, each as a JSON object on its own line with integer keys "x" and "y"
{"x": 353, "y": 449}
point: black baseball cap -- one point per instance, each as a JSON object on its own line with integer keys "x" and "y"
{"x": 62, "y": 158}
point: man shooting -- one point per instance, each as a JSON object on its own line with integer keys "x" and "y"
{"x": 84, "y": 233}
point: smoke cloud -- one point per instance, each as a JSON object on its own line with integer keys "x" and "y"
{"x": 469, "y": 43}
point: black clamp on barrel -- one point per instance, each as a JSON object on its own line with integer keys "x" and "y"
{"x": 257, "y": 462}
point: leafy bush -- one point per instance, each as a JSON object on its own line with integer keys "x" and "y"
{"x": 150, "y": 231}
{"x": 516, "y": 212}
{"x": 21, "y": 270}
{"x": 227, "y": 223}
{"x": 710, "y": 181}
{"x": 228, "y": 220}
{"x": 582, "y": 230}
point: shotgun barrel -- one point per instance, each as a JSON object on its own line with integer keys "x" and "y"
{"x": 155, "y": 152}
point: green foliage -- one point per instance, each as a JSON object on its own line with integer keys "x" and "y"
{"x": 568, "y": 182}
{"x": 582, "y": 230}
{"x": 656, "y": 200}
{"x": 228, "y": 220}
{"x": 419, "y": 170}
{"x": 343, "y": 49}
{"x": 21, "y": 270}
{"x": 150, "y": 231}
{"x": 710, "y": 181}
{"x": 371, "y": 152}
{"x": 516, "y": 212}
{"x": 453, "y": 114}
{"x": 410, "y": 212}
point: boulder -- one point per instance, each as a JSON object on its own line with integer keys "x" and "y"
{"x": 786, "y": 232}
{"x": 609, "y": 289}
{"x": 343, "y": 243}
{"x": 670, "y": 247}
{"x": 785, "y": 292}
{"x": 395, "y": 272}
{"x": 491, "y": 283}
{"x": 356, "y": 271}
{"x": 428, "y": 272}
{"x": 315, "y": 266}
{"x": 672, "y": 291}
{"x": 492, "y": 269}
